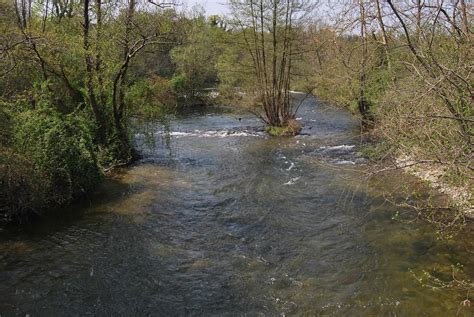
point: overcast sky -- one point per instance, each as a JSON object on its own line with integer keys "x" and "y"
{"x": 211, "y": 6}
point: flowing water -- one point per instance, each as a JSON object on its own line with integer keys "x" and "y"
{"x": 220, "y": 219}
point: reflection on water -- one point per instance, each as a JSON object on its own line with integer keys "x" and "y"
{"x": 221, "y": 219}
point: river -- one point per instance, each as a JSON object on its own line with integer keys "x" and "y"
{"x": 218, "y": 218}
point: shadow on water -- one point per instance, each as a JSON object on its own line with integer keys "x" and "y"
{"x": 220, "y": 219}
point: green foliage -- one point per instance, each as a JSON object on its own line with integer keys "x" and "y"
{"x": 116, "y": 153}
{"x": 67, "y": 101}
{"x": 46, "y": 159}
{"x": 276, "y": 131}
{"x": 292, "y": 128}
{"x": 5, "y": 125}
{"x": 378, "y": 82}
{"x": 195, "y": 61}
{"x": 22, "y": 193}
{"x": 181, "y": 84}
{"x": 151, "y": 97}
{"x": 61, "y": 149}
{"x": 233, "y": 68}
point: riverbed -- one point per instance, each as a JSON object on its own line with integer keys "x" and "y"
{"x": 218, "y": 218}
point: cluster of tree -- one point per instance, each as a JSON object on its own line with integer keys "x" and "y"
{"x": 72, "y": 75}
{"x": 74, "y": 72}
{"x": 406, "y": 68}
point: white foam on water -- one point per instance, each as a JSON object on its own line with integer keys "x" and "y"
{"x": 210, "y": 133}
{"x": 345, "y": 163}
{"x": 298, "y": 92}
{"x": 292, "y": 181}
{"x": 338, "y": 147}
{"x": 178, "y": 133}
{"x": 291, "y": 167}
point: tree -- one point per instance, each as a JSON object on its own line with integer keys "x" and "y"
{"x": 363, "y": 102}
{"x": 64, "y": 78}
{"x": 134, "y": 30}
{"x": 269, "y": 30}
{"x": 449, "y": 78}
{"x": 195, "y": 61}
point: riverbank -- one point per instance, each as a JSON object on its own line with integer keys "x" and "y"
{"x": 461, "y": 197}
{"x": 385, "y": 157}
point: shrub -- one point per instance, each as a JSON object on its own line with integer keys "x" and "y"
{"x": 53, "y": 150}
{"x": 291, "y": 128}
{"x": 21, "y": 193}
{"x": 151, "y": 97}
{"x": 5, "y": 125}
{"x": 181, "y": 84}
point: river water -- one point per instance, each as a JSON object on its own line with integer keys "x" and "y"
{"x": 220, "y": 219}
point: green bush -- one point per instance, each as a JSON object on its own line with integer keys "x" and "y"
{"x": 61, "y": 150}
{"x": 151, "y": 97}
{"x": 181, "y": 84}
{"x": 21, "y": 192}
{"x": 5, "y": 125}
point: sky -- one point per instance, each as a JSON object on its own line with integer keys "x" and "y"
{"x": 220, "y": 7}
{"x": 211, "y": 6}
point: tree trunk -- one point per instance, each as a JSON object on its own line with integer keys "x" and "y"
{"x": 118, "y": 101}
{"x": 363, "y": 103}
{"x": 98, "y": 57}
{"x": 419, "y": 7}
{"x": 384, "y": 33}
{"x": 96, "y": 109}
{"x": 465, "y": 22}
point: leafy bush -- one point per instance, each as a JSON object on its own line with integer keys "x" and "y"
{"x": 21, "y": 192}
{"x": 291, "y": 128}
{"x": 5, "y": 125}
{"x": 51, "y": 162}
{"x": 181, "y": 84}
{"x": 151, "y": 97}
{"x": 62, "y": 151}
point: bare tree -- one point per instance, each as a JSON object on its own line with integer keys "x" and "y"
{"x": 383, "y": 31}
{"x": 451, "y": 83}
{"x": 419, "y": 7}
{"x": 363, "y": 102}
{"x": 269, "y": 30}
{"x": 23, "y": 12}
{"x": 464, "y": 15}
